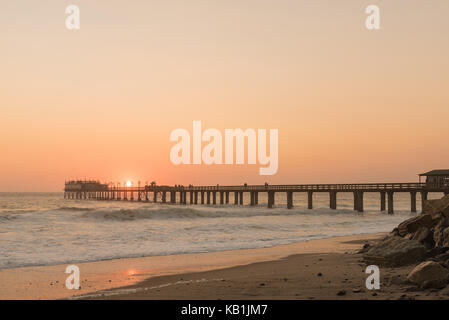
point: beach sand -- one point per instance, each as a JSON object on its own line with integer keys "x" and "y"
{"x": 317, "y": 269}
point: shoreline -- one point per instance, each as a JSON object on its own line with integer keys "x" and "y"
{"x": 48, "y": 282}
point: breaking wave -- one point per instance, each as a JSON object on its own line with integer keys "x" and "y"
{"x": 161, "y": 213}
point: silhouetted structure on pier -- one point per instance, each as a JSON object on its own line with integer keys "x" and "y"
{"x": 208, "y": 194}
{"x": 436, "y": 178}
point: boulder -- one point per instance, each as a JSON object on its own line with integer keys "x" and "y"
{"x": 439, "y": 254}
{"x": 445, "y": 291}
{"x": 438, "y": 207}
{"x": 395, "y": 251}
{"x": 413, "y": 224}
{"x": 438, "y": 232}
{"x": 445, "y": 237}
{"x": 429, "y": 274}
{"x": 424, "y": 235}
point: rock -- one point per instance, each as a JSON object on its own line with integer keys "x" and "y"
{"x": 394, "y": 232}
{"x": 445, "y": 291}
{"x": 341, "y": 293}
{"x": 365, "y": 248}
{"x": 394, "y": 280}
{"x": 433, "y": 284}
{"x": 431, "y": 207}
{"x": 438, "y": 232}
{"x": 438, "y": 207}
{"x": 413, "y": 224}
{"x": 425, "y": 236}
{"x": 395, "y": 251}
{"x": 445, "y": 237}
{"x": 443, "y": 256}
{"x": 437, "y": 251}
{"x": 429, "y": 274}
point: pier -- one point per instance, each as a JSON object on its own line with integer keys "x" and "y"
{"x": 213, "y": 195}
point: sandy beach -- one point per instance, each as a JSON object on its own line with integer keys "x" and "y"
{"x": 317, "y": 269}
{"x": 48, "y": 282}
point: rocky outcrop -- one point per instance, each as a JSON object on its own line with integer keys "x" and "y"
{"x": 423, "y": 236}
{"x": 413, "y": 224}
{"x": 395, "y": 251}
{"x": 429, "y": 274}
{"x": 437, "y": 208}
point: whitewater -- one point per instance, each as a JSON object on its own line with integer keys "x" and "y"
{"x": 45, "y": 229}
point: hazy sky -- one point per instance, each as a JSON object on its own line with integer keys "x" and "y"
{"x": 351, "y": 105}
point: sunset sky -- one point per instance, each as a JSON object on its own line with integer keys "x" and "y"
{"x": 351, "y": 105}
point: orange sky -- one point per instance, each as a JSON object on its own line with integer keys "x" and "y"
{"x": 351, "y": 105}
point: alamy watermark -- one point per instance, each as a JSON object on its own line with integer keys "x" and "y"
{"x": 372, "y": 22}
{"x": 72, "y": 21}
{"x": 212, "y": 153}
{"x": 373, "y": 280}
{"x": 73, "y": 280}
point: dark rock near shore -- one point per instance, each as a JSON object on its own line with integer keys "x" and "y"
{"x": 395, "y": 251}
{"x": 423, "y": 236}
{"x": 445, "y": 291}
{"x": 412, "y": 225}
{"x": 429, "y": 275}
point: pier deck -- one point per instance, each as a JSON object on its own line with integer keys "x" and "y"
{"x": 208, "y": 194}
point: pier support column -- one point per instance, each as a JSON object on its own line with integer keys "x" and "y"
{"x": 214, "y": 197}
{"x": 154, "y": 196}
{"x": 164, "y": 196}
{"x": 423, "y": 199}
{"x": 382, "y": 200}
{"x": 390, "y": 202}
{"x": 227, "y": 197}
{"x": 289, "y": 199}
{"x": 196, "y": 197}
{"x": 332, "y": 200}
{"x": 256, "y": 198}
{"x": 221, "y": 197}
{"x": 191, "y": 197}
{"x": 361, "y": 207}
{"x": 202, "y": 197}
{"x": 180, "y": 197}
{"x": 241, "y": 198}
{"x": 172, "y": 196}
{"x": 138, "y": 196}
{"x": 358, "y": 201}
{"x": 413, "y": 201}
{"x": 310, "y": 199}
{"x": 271, "y": 196}
{"x": 184, "y": 197}
{"x": 252, "y": 200}
{"x": 236, "y": 198}
{"x": 208, "y": 197}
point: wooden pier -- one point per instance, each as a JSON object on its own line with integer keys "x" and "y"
{"x": 207, "y": 195}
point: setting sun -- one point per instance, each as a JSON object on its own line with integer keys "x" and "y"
{"x": 129, "y": 183}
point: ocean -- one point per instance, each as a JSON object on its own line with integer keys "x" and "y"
{"x": 45, "y": 229}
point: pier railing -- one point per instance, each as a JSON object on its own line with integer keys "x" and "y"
{"x": 312, "y": 187}
{"x": 208, "y": 194}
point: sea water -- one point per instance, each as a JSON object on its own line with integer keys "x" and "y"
{"x": 46, "y": 229}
